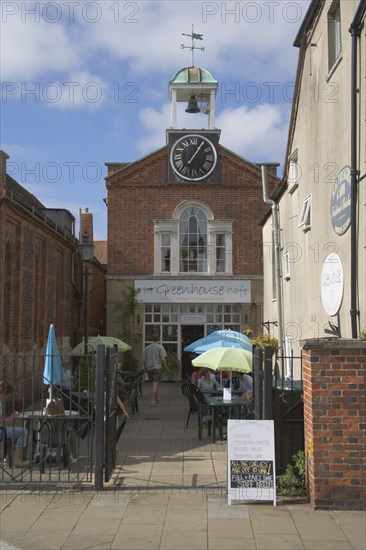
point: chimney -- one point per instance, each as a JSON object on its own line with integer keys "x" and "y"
{"x": 3, "y": 158}
{"x": 271, "y": 167}
{"x": 86, "y": 225}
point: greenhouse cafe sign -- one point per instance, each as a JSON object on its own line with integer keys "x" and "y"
{"x": 183, "y": 291}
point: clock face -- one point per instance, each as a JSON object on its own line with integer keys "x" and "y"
{"x": 193, "y": 157}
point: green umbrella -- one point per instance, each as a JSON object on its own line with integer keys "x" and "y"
{"x": 225, "y": 359}
{"x": 94, "y": 341}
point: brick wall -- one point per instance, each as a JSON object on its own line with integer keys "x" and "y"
{"x": 334, "y": 376}
{"x": 139, "y": 194}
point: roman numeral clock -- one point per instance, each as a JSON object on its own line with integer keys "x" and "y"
{"x": 193, "y": 156}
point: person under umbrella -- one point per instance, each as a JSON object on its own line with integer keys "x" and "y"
{"x": 17, "y": 434}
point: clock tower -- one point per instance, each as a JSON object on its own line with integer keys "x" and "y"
{"x": 193, "y": 156}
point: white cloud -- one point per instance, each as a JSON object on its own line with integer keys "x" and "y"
{"x": 155, "y": 124}
{"x": 247, "y": 40}
{"x": 258, "y": 133}
{"x": 253, "y": 40}
{"x": 29, "y": 49}
{"x": 82, "y": 90}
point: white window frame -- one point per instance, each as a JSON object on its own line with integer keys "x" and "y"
{"x": 293, "y": 177}
{"x": 160, "y": 227}
{"x": 167, "y": 247}
{"x": 198, "y": 253}
{"x": 334, "y": 36}
{"x": 224, "y": 247}
{"x": 305, "y": 216}
{"x": 288, "y": 357}
{"x": 213, "y": 227}
{"x": 216, "y": 227}
{"x": 287, "y": 264}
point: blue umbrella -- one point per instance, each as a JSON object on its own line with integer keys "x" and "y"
{"x": 233, "y": 334}
{"x": 222, "y": 344}
{"x": 221, "y": 339}
{"x": 53, "y": 372}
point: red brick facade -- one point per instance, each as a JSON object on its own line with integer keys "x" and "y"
{"x": 334, "y": 381}
{"x": 139, "y": 193}
{"x": 40, "y": 274}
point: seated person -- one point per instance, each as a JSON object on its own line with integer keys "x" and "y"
{"x": 122, "y": 407}
{"x": 242, "y": 382}
{"x": 207, "y": 382}
{"x": 196, "y": 375}
{"x": 17, "y": 434}
{"x": 246, "y": 383}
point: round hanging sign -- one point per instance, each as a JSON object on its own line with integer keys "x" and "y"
{"x": 340, "y": 203}
{"x": 332, "y": 283}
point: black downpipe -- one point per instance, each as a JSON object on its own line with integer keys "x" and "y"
{"x": 354, "y": 174}
{"x": 355, "y": 30}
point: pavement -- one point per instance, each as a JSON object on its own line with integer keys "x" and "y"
{"x": 168, "y": 492}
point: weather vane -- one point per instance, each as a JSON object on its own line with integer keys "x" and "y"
{"x": 194, "y": 36}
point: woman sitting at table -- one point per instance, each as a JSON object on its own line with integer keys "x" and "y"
{"x": 207, "y": 383}
{"x": 17, "y": 434}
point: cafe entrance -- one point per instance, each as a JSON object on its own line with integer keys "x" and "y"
{"x": 189, "y": 333}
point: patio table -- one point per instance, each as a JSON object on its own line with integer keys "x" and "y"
{"x": 217, "y": 402}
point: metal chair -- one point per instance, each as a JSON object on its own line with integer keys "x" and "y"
{"x": 205, "y": 415}
{"x": 203, "y": 411}
{"x": 129, "y": 386}
{"x": 188, "y": 390}
{"x": 5, "y": 453}
{"x": 53, "y": 436}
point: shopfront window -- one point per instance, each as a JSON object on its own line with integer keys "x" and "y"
{"x": 165, "y": 320}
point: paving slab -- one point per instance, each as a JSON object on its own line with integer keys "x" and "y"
{"x": 168, "y": 492}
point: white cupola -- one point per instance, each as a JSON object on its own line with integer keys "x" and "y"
{"x": 197, "y": 88}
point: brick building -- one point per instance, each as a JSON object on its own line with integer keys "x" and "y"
{"x": 183, "y": 232}
{"x": 40, "y": 274}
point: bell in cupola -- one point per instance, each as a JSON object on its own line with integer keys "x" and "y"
{"x": 193, "y": 106}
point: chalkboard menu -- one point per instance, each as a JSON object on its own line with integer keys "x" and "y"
{"x": 251, "y": 460}
{"x": 251, "y": 473}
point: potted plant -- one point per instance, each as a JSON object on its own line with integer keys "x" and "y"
{"x": 172, "y": 367}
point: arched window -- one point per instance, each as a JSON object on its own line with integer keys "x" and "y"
{"x": 193, "y": 241}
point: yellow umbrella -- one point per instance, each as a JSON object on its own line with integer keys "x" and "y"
{"x": 94, "y": 341}
{"x": 225, "y": 359}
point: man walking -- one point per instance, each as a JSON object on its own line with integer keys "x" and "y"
{"x": 154, "y": 360}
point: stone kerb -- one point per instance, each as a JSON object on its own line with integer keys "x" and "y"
{"x": 334, "y": 376}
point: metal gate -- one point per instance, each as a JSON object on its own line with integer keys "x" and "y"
{"x": 56, "y": 443}
{"x": 77, "y": 442}
{"x": 279, "y": 397}
{"x": 106, "y": 414}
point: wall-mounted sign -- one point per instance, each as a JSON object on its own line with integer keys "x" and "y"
{"x": 152, "y": 291}
{"x": 332, "y": 283}
{"x": 251, "y": 460}
{"x": 340, "y": 203}
{"x": 193, "y": 319}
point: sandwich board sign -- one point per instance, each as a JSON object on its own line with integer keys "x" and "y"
{"x": 251, "y": 461}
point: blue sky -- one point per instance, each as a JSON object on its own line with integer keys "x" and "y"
{"x": 84, "y": 83}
